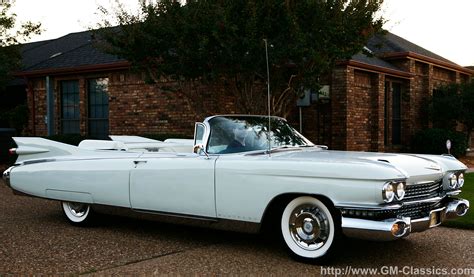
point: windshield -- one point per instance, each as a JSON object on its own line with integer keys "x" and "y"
{"x": 234, "y": 134}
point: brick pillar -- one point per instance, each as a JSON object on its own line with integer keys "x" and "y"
{"x": 378, "y": 110}
{"x": 458, "y": 77}
{"x": 339, "y": 103}
{"x": 30, "y": 101}
{"x": 83, "y": 111}
{"x": 430, "y": 84}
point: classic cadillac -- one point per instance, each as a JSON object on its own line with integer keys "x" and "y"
{"x": 247, "y": 169}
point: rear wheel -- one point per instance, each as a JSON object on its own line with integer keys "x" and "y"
{"x": 79, "y": 214}
{"x": 308, "y": 228}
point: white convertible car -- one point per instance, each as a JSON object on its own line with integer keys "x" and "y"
{"x": 253, "y": 170}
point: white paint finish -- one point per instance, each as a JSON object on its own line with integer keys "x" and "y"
{"x": 49, "y": 148}
{"x": 140, "y": 144}
{"x": 80, "y": 197}
{"x": 133, "y": 139}
{"x": 181, "y": 184}
{"x": 92, "y": 144}
{"x": 244, "y": 187}
{"x": 106, "y": 180}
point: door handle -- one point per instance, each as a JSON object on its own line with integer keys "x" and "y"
{"x": 137, "y": 162}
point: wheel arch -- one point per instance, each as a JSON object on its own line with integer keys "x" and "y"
{"x": 275, "y": 207}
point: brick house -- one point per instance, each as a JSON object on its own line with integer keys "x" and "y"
{"x": 371, "y": 102}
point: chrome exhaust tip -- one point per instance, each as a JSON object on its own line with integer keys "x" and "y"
{"x": 461, "y": 209}
{"x": 457, "y": 208}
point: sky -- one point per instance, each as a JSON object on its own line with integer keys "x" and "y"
{"x": 444, "y": 27}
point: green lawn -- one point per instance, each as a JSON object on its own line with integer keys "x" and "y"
{"x": 467, "y": 221}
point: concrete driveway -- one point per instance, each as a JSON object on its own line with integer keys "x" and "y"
{"x": 35, "y": 239}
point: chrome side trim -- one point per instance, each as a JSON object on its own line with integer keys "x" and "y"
{"x": 368, "y": 207}
{"x": 390, "y": 206}
{"x": 38, "y": 161}
{"x": 187, "y": 216}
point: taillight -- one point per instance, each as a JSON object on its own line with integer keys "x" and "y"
{"x": 12, "y": 151}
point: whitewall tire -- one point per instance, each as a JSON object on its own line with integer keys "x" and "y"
{"x": 77, "y": 213}
{"x": 308, "y": 228}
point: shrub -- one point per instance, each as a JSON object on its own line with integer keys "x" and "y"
{"x": 433, "y": 141}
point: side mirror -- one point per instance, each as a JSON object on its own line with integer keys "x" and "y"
{"x": 199, "y": 149}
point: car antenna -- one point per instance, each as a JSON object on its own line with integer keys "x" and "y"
{"x": 268, "y": 97}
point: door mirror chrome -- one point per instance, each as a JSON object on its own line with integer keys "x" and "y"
{"x": 199, "y": 149}
{"x": 199, "y": 130}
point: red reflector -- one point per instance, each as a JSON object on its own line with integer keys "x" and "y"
{"x": 12, "y": 151}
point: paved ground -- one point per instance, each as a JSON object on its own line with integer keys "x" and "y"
{"x": 35, "y": 239}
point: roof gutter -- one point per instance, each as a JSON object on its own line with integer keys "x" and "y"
{"x": 377, "y": 69}
{"x": 422, "y": 58}
{"x": 73, "y": 70}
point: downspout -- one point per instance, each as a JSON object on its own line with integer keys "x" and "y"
{"x": 50, "y": 105}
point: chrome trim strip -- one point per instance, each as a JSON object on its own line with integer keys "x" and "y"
{"x": 455, "y": 192}
{"x": 203, "y": 218}
{"x": 388, "y": 207}
{"x": 434, "y": 199}
{"x": 368, "y": 207}
{"x": 38, "y": 161}
{"x": 425, "y": 182}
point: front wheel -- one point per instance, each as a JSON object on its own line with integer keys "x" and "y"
{"x": 79, "y": 214}
{"x": 308, "y": 228}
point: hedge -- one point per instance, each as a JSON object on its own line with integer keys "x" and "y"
{"x": 433, "y": 141}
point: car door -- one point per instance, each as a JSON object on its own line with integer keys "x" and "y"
{"x": 174, "y": 183}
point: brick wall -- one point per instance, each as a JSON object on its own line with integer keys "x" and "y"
{"x": 139, "y": 108}
{"x": 352, "y": 119}
{"x": 36, "y": 100}
{"x": 359, "y": 111}
{"x": 339, "y": 106}
{"x": 134, "y": 107}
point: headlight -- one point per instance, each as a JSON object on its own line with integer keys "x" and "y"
{"x": 388, "y": 192}
{"x": 460, "y": 180}
{"x": 400, "y": 190}
{"x": 453, "y": 180}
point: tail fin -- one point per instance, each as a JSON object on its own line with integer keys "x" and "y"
{"x": 31, "y": 148}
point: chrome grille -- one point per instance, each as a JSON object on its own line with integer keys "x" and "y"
{"x": 415, "y": 211}
{"x": 423, "y": 191}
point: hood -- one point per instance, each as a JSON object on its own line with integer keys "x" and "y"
{"x": 418, "y": 168}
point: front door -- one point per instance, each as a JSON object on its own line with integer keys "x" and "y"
{"x": 174, "y": 183}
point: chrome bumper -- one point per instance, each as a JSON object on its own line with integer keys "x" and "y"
{"x": 6, "y": 176}
{"x": 395, "y": 228}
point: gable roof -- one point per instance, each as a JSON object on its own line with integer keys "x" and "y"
{"x": 387, "y": 46}
{"x": 388, "y": 43}
{"x": 71, "y": 51}
{"x": 77, "y": 52}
